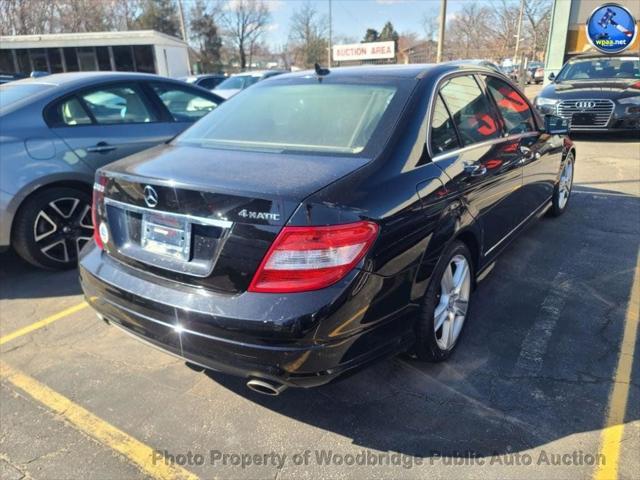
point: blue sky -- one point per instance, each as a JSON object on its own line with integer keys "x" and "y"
{"x": 353, "y": 17}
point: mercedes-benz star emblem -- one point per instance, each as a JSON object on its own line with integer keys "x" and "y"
{"x": 150, "y": 196}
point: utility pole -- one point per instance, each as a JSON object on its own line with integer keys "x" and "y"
{"x": 441, "y": 27}
{"x": 183, "y": 30}
{"x": 517, "y": 51}
{"x": 330, "y": 39}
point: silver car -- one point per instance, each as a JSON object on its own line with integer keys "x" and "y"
{"x": 57, "y": 130}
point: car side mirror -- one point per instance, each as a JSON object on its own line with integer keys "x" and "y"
{"x": 552, "y": 76}
{"x": 554, "y": 125}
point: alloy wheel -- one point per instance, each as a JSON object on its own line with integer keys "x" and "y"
{"x": 566, "y": 181}
{"x": 62, "y": 228}
{"x": 451, "y": 310}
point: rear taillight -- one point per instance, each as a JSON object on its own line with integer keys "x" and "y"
{"x": 311, "y": 258}
{"x": 98, "y": 197}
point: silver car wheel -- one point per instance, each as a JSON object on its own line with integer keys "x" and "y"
{"x": 451, "y": 310}
{"x": 566, "y": 181}
{"x": 62, "y": 228}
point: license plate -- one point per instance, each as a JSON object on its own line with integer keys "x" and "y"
{"x": 166, "y": 235}
{"x": 583, "y": 119}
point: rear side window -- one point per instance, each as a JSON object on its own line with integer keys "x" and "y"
{"x": 443, "y": 133}
{"x": 118, "y": 104}
{"x": 470, "y": 110}
{"x": 71, "y": 112}
{"x": 183, "y": 105}
{"x": 514, "y": 109}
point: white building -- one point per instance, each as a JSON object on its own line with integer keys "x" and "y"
{"x": 131, "y": 51}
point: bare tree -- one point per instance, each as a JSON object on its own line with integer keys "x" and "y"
{"x": 538, "y": 16}
{"x": 471, "y": 29}
{"x": 308, "y": 36}
{"x": 24, "y": 17}
{"x": 245, "y": 21}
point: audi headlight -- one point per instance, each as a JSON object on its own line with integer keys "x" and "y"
{"x": 630, "y": 100}
{"x": 546, "y": 102}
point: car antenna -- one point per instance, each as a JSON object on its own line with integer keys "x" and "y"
{"x": 321, "y": 72}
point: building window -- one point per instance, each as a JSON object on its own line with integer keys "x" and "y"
{"x": 24, "y": 66}
{"x": 87, "y": 58}
{"x": 104, "y": 62}
{"x": 39, "y": 59}
{"x": 144, "y": 58}
{"x": 123, "y": 58}
{"x": 71, "y": 59}
{"x": 6, "y": 61}
{"x": 55, "y": 60}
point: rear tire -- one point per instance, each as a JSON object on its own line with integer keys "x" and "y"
{"x": 562, "y": 190}
{"x": 446, "y": 305}
{"x": 52, "y": 226}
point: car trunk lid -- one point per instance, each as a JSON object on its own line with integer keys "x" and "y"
{"x": 206, "y": 216}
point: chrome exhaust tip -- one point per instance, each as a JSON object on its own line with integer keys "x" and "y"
{"x": 266, "y": 387}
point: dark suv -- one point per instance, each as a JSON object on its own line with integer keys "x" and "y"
{"x": 322, "y": 220}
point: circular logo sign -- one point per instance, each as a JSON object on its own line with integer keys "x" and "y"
{"x": 611, "y": 28}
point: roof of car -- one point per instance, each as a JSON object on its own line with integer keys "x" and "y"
{"x": 596, "y": 54}
{"x": 82, "y": 78}
{"x": 258, "y": 73}
{"x": 414, "y": 70}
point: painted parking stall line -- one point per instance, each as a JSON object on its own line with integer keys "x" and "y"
{"x": 536, "y": 342}
{"x": 42, "y": 323}
{"x": 611, "y": 437}
{"x": 143, "y": 456}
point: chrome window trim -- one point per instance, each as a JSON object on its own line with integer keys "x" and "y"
{"x": 190, "y": 218}
{"x": 493, "y": 141}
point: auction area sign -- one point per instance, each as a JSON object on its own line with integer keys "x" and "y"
{"x": 364, "y": 51}
{"x": 611, "y": 28}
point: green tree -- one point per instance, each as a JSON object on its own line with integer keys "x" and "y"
{"x": 205, "y": 36}
{"x": 370, "y": 36}
{"x": 160, "y": 15}
{"x": 388, "y": 33}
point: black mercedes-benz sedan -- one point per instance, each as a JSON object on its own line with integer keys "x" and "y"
{"x": 596, "y": 92}
{"x": 321, "y": 220}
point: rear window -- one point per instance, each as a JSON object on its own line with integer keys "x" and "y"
{"x": 13, "y": 92}
{"x": 317, "y": 117}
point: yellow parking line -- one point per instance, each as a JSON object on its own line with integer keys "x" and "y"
{"x": 42, "y": 323}
{"x": 105, "y": 433}
{"x": 611, "y": 437}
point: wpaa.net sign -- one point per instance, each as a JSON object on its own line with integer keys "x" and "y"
{"x": 364, "y": 51}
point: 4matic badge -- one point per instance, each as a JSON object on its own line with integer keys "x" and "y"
{"x": 244, "y": 213}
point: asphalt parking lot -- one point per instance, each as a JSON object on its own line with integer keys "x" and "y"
{"x": 538, "y": 387}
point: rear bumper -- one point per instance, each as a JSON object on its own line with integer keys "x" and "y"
{"x": 294, "y": 340}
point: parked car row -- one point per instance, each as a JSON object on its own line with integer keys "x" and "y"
{"x": 331, "y": 217}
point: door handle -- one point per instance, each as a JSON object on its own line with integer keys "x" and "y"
{"x": 101, "y": 147}
{"x": 475, "y": 169}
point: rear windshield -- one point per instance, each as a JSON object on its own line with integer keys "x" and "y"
{"x": 626, "y": 68}
{"x": 313, "y": 117}
{"x": 14, "y": 92}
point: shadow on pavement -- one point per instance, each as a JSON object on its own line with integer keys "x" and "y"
{"x": 535, "y": 363}
{"x": 18, "y": 279}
